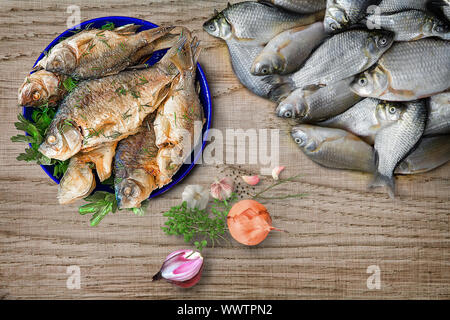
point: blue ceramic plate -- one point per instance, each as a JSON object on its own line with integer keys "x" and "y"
{"x": 205, "y": 97}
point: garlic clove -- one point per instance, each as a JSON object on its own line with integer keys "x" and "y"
{"x": 251, "y": 180}
{"x": 276, "y": 172}
{"x": 183, "y": 268}
{"x": 222, "y": 189}
{"x": 195, "y": 196}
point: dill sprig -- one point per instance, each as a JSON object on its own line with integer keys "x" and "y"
{"x": 70, "y": 84}
{"x": 199, "y": 227}
{"x": 260, "y": 195}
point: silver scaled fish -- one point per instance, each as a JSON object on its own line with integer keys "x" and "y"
{"x": 287, "y": 51}
{"x": 316, "y": 105}
{"x": 393, "y": 142}
{"x": 407, "y": 71}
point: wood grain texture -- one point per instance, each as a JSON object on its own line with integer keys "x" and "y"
{"x": 335, "y": 233}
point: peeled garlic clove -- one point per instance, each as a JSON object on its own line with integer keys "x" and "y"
{"x": 222, "y": 189}
{"x": 251, "y": 180}
{"x": 276, "y": 172}
{"x": 183, "y": 268}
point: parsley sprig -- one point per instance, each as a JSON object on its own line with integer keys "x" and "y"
{"x": 199, "y": 226}
{"x": 101, "y": 203}
{"x": 36, "y": 129}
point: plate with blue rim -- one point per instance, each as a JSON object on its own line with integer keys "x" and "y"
{"x": 204, "y": 95}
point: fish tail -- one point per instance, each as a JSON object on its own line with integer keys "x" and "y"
{"x": 127, "y": 29}
{"x": 169, "y": 37}
{"x": 196, "y": 49}
{"x": 180, "y": 56}
{"x": 155, "y": 34}
{"x": 381, "y": 180}
{"x": 281, "y": 86}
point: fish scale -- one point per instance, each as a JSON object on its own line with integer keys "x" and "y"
{"x": 419, "y": 68}
{"x": 429, "y": 154}
{"x": 95, "y": 103}
{"x": 339, "y": 57}
{"x": 394, "y": 142}
{"x": 438, "y": 115}
{"x": 301, "y": 6}
{"x": 136, "y": 169}
{"x": 341, "y": 14}
{"x": 254, "y": 20}
{"x": 334, "y": 148}
{"x": 360, "y": 120}
{"x": 400, "y": 5}
{"x": 242, "y": 56}
{"x": 410, "y": 25}
{"x": 286, "y": 52}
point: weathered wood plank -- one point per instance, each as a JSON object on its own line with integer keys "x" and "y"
{"x": 335, "y": 233}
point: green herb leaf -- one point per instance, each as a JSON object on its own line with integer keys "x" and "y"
{"x": 199, "y": 227}
{"x": 70, "y": 84}
{"x": 108, "y": 26}
{"x": 102, "y": 203}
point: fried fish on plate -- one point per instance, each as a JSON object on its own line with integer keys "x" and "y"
{"x": 111, "y": 108}
{"x": 95, "y": 53}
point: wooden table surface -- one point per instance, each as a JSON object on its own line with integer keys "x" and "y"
{"x": 335, "y": 233}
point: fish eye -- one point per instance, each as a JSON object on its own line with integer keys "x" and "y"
{"x": 264, "y": 71}
{"x": 36, "y": 95}
{"x": 383, "y": 41}
{"x": 362, "y": 81}
{"x": 392, "y": 110}
{"x": 127, "y": 191}
{"x": 51, "y": 139}
{"x": 287, "y": 114}
{"x": 298, "y": 140}
{"x": 212, "y": 27}
{"x": 439, "y": 28}
{"x": 333, "y": 26}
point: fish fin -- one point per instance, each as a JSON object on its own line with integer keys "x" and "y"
{"x": 103, "y": 163}
{"x": 152, "y": 35}
{"x": 102, "y": 158}
{"x": 180, "y": 56}
{"x": 137, "y": 67}
{"x": 313, "y": 87}
{"x": 78, "y": 182}
{"x": 165, "y": 42}
{"x": 127, "y": 29}
{"x": 380, "y": 180}
{"x": 196, "y": 49}
{"x": 267, "y": 3}
{"x": 282, "y": 86}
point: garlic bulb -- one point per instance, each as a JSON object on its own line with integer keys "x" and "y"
{"x": 195, "y": 196}
{"x": 222, "y": 189}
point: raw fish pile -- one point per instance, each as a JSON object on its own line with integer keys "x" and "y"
{"x": 123, "y": 118}
{"x": 366, "y": 80}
